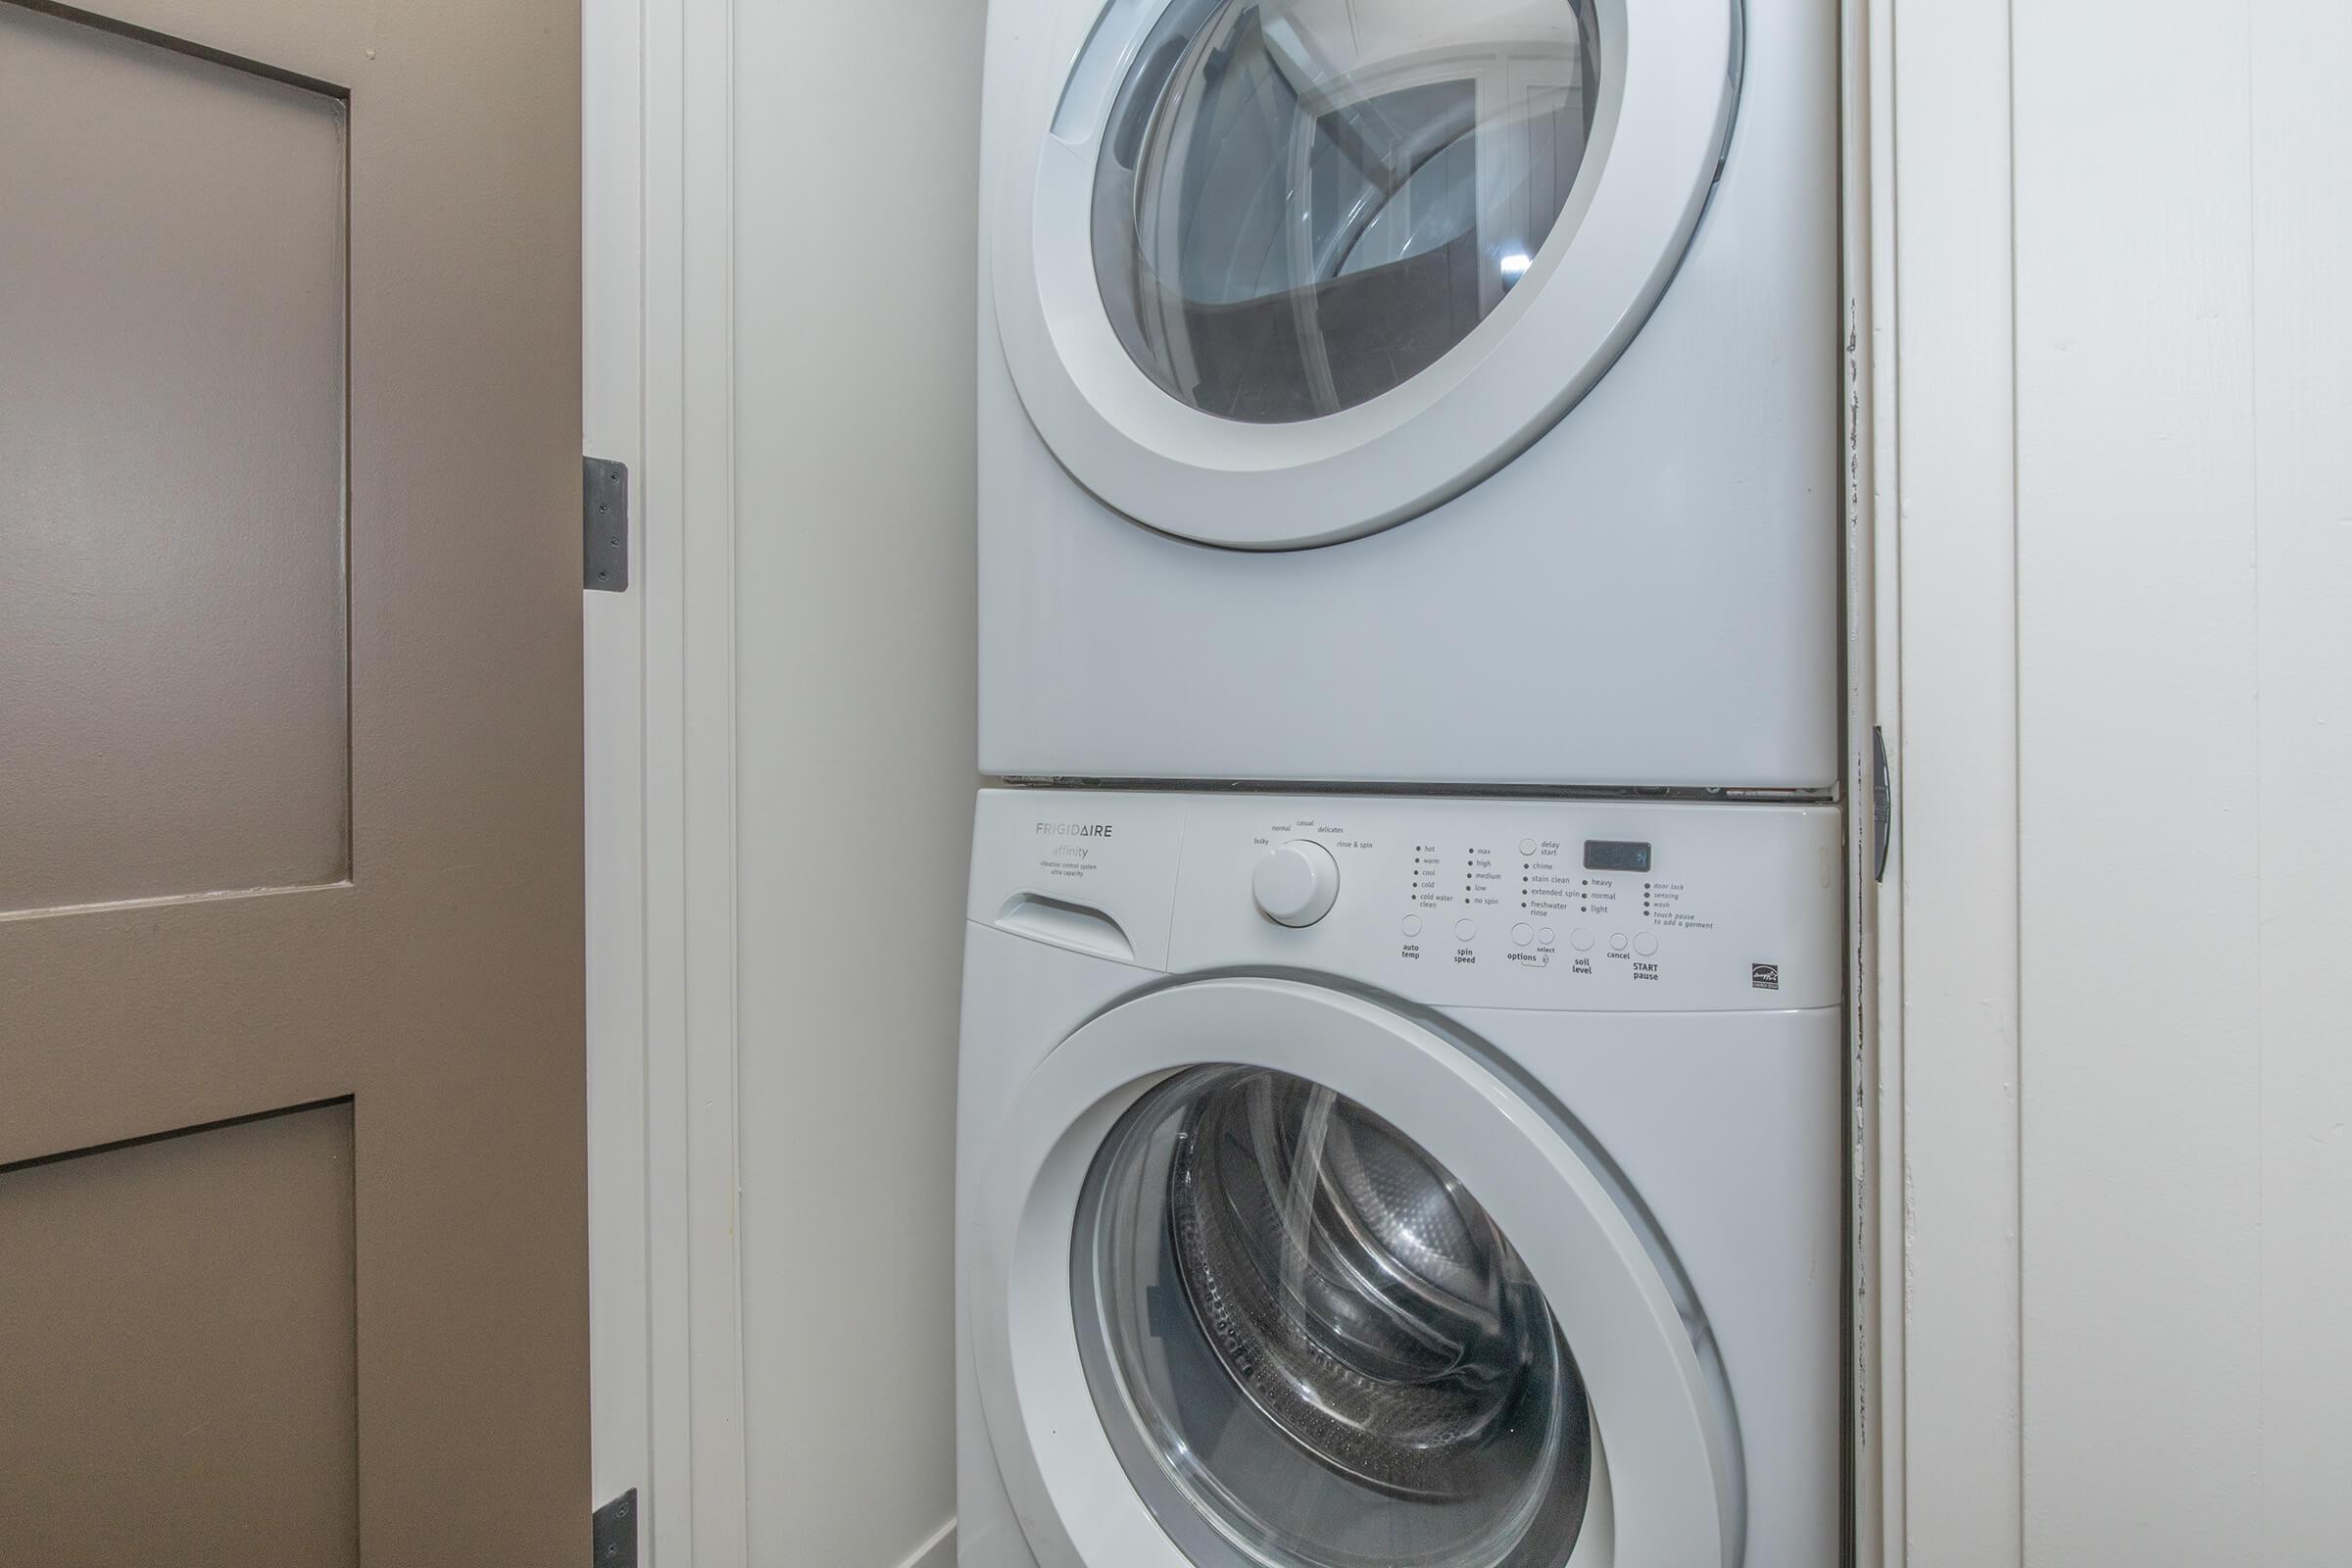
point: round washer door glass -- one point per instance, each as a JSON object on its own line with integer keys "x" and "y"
{"x": 1311, "y": 1347}
{"x": 1302, "y": 204}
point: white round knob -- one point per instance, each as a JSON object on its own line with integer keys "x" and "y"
{"x": 1297, "y": 884}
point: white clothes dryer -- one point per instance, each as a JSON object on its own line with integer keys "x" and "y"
{"x": 1394, "y": 391}
{"x": 1377, "y": 1183}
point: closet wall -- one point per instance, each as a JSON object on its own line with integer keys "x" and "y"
{"x": 856, "y": 223}
{"x": 781, "y": 221}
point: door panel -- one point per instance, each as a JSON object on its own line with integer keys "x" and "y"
{"x": 237, "y": 1428}
{"x": 171, "y": 354}
{"x": 290, "y": 777}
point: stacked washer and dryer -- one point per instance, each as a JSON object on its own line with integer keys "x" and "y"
{"x": 1401, "y": 1113}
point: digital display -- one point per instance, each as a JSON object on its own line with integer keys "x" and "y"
{"x": 1600, "y": 855}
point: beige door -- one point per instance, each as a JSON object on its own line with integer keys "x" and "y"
{"x": 292, "y": 1214}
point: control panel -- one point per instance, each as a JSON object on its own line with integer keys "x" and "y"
{"x": 1563, "y": 904}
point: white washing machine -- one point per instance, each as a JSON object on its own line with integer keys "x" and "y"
{"x": 1378, "y": 1183}
{"x": 1394, "y": 391}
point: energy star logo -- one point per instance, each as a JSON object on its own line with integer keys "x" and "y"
{"x": 1764, "y": 976}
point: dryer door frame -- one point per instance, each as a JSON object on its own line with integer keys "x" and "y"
{"x": 1670, "y": 74}
{"x": 1673, "y": 1489}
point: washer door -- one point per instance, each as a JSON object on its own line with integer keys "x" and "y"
{"x": 1266, "y": 1276}
{"x": 1273, "y": 274}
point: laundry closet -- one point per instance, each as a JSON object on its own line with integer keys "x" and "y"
{"x": 1976, "y": 375}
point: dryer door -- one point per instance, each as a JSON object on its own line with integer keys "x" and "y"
{"x": 1270, "y": 1277}
{"x": 1273, "y": 274}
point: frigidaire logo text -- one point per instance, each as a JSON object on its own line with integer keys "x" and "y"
{"x": 1074, "y": 830}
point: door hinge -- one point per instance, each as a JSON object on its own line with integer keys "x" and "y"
{"x": 604, "y": 526}
{"x": 616, "y": 1532}
{"x": 1881, "y": 805}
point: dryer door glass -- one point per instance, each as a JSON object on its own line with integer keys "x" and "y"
{"x": 1313, "y": 1348}
{"x": 1302, "y": 204}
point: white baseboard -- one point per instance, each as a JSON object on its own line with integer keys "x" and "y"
{"x": 937, "y": 1552}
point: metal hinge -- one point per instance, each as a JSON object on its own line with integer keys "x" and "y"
{"x": 1881, "y": 805}
{"x": 604, "y": 526}
{"x": 616, "y": 1532}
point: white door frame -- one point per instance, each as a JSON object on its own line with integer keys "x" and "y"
{"x": 1873, "y": 926}
{"x": 1932, "y": 555}
{"x": 657, "y": 242}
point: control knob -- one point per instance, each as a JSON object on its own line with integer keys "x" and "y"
{"x": 1297, "y": 884}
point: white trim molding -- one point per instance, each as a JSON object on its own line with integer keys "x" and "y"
{"x": 1932, "y": 652}
{"x": 1954, "y": 527}
{"x": 659, "y": 180}
{"x": 612, "y": 425}
{"x": 1874, "y": 924}
{"x": 696, "y": 1515}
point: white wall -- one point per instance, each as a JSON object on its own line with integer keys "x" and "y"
{"x": 2124, "y": 359}
{"x": 855, "y": 188}
{"x": 780, "y": 216}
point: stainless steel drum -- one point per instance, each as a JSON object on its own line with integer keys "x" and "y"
{"x": 1313, "y": 1347}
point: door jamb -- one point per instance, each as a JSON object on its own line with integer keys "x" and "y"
{"x": 1871, "y": 660}
{"x": 658, "y": 245}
